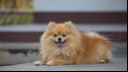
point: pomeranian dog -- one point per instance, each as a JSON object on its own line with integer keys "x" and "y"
{"x": 63, "y": 44}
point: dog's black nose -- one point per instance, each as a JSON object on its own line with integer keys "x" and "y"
{"x": 59, "y": 39}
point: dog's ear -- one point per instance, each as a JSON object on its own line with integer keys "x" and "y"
{"x": 51, "y": 24}
{"x": 69, "y": 24}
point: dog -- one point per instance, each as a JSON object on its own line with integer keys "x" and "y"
{"x": 64, "y": 44}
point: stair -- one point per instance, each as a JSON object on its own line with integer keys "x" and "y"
{"x": 21, "y": 42}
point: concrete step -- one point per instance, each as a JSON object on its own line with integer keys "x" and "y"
{"x": 15, "y": 53}
{"x": 83, "y": 27}
{"x": 32, "y": 33}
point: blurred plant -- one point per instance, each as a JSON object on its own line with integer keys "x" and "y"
{"x": 16, "y": 4}
{"x": 16, "y": 12}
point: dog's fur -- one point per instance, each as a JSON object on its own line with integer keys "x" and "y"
{"x": 79, "y": 48}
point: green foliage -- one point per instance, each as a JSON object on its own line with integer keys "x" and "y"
{"x": 24, "y": 19}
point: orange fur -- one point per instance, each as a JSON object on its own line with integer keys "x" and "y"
{"x": 79, "y": 48}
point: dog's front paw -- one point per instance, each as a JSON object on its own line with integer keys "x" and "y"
{"x": 102, "y": 61}
{"x": 50, "y": 63}
{"x": 39, "y": 63}
{"x": 56, "y": 62}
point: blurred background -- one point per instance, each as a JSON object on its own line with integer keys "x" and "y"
{"x": 22, "y": 22}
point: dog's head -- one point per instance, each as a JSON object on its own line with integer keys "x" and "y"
{"x": 60, "y": 34}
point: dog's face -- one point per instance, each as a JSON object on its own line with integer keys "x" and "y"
{"x": 59, "y": 38}
{"x": 60, "y": 34}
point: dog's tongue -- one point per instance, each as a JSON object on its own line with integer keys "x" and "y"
{"x": 59, "y": 44}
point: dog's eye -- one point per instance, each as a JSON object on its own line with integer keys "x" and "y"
{"x": 64, "y": 35}
{"x": 54, "y": 35}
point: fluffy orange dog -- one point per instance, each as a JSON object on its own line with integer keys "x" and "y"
{"x": 63, "y": 44}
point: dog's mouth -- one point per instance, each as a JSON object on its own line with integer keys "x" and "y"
{"x": 60, "y": 43}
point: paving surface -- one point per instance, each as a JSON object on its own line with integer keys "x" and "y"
{"x": 119, "y": 63}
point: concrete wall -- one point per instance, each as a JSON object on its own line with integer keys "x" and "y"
{"x": 80, "y": 5}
